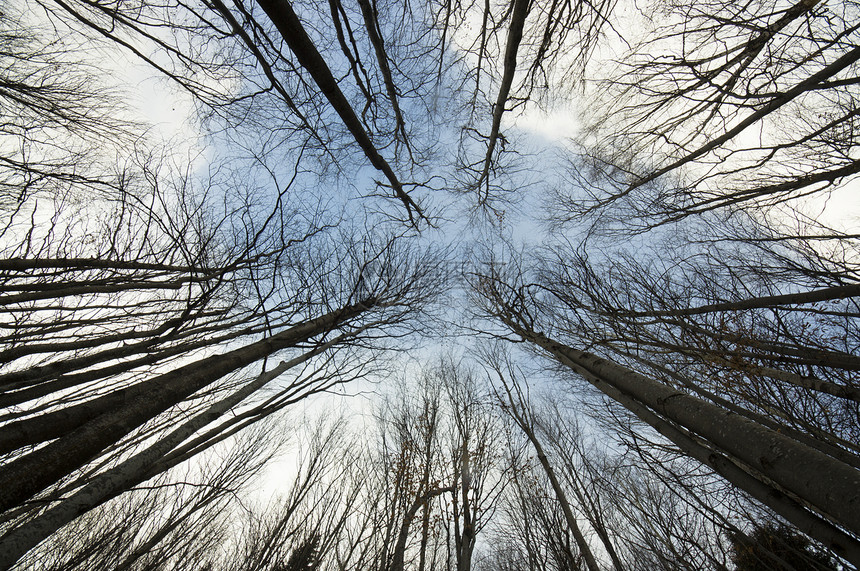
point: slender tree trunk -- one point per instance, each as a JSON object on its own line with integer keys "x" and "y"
{"x": 584, "y": 549}
{"x": 281, "y": 14}
{"x": 777, "y": 102}
{"x": 515, "y": 35}
{"x": 594, "y": 516}
{"x": 131, "y": 472}
{"x": 431, "y": 412}
{"x": 370, "y": 22}
{"x": 28, "y": 475}
{"x": 467, "y": 538}
{"x": 802, "y": 298}
{"x": 397, "y": 559}
{"x": 827, "y": 484}
{"x": 522, "y": 416}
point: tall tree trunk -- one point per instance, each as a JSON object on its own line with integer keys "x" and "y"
{"x": 281, "y": 13}
{"x": 130, "y": 472}
{"x": 826, "y": 484}
{"x": 30, "y": 474}
{"x": 801, "y": 298}
{"x": 521, "y": 415}
{"x": 397, "y": 559}
{"x": 515, "y": 35}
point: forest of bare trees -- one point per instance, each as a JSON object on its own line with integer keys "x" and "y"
{"x": 475, "y": 286}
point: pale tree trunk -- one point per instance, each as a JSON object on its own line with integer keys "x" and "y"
{"x": 829, "y": 486}
{"x": 30, "y": 474}
{"x": 464, "y": 539}
{"x": 595, "y": 517}
{"x": 807, "y": 522}
{"x": 519, "y": 412}
{"x": 132, "y": 471}
{"x": 572, "y": 524}
{"x": 425, "y": 483}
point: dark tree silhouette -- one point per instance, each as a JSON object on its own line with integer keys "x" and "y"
{"x": 777, "y": 547}
{"x": 305, "y": 557}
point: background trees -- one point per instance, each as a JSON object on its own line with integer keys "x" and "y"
{"x": 143, "y": 307}
{"x": 730, "y": 309}
{"x": 158, "y": 301}
{"x": 719, "y": 106}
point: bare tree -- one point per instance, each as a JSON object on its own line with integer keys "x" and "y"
{"x": 739, "y": 447}
{"x": 176, "y": 520}
{"x": 94, "y": 426}
{"x": 156, "y": 306}
{"x": 520, "y": 54}
{"x": 515, "y": 403}
{"x": 319, "y": 498}
{"x": 262, "y": 67}
{"x": 479, "y": 470}
{"x": 136, "y": 314}
{"x": 717, "y": 106}
{"x": 735, "y": 303}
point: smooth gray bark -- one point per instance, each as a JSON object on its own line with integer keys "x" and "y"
{"x": 811, "y": 524}
{"x": 136, "y": 469}
{"x": 829, "y": 486}
{"x": 825, "y": 482}
{"x": 28, "y": 475}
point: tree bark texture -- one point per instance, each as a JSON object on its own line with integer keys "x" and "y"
{"x": 105, "y": 422}
{"x": 130, "y": 472}
{"x": 830, "y": 486}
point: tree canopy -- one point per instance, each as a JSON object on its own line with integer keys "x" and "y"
{"x": 595, "y": 261}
